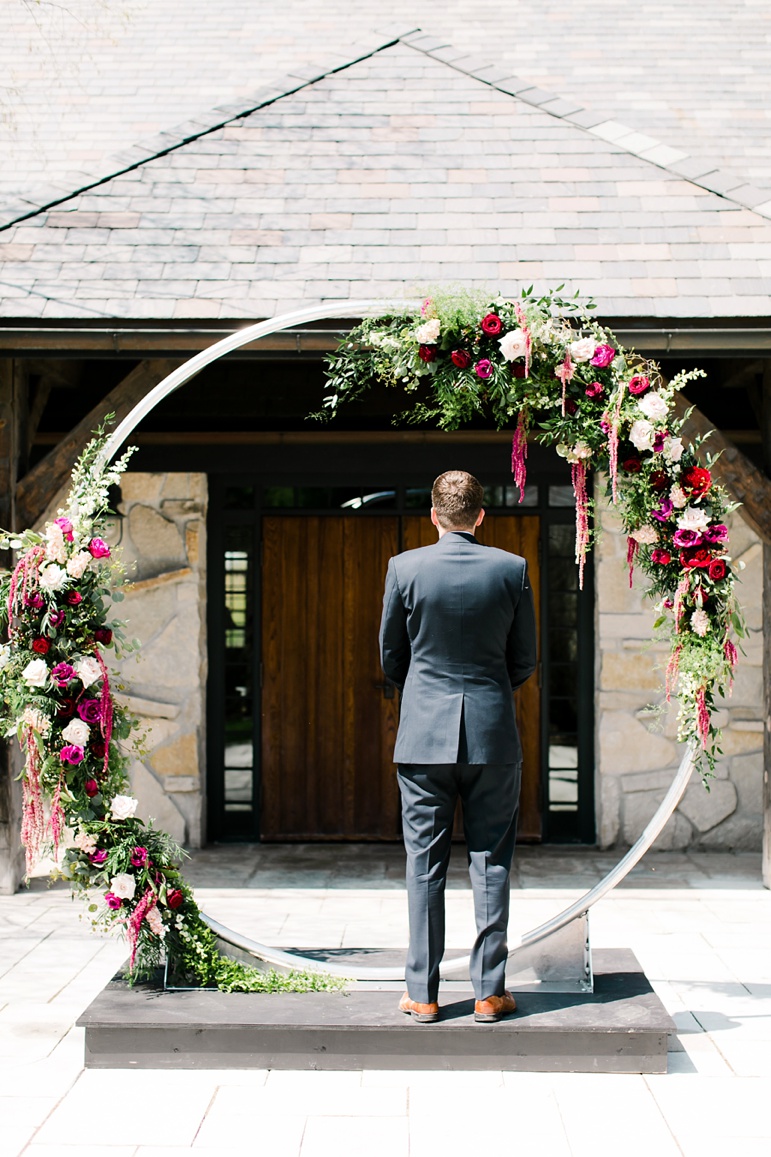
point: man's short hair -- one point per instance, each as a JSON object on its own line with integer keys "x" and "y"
{"x": 457, "y": 498}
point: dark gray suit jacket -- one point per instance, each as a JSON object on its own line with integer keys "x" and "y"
{"x": 457, "y": 637}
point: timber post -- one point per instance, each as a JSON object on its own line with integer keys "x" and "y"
{"x": 13, "y": 409}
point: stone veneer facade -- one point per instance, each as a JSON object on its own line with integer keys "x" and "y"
{"x": 164, "y": 530}
{"x": 634, "y": 765}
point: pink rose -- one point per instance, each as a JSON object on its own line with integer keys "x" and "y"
{"x": 639, "y": 384}
{"x": 63, "y": 674}
{"x": 74, "y": 598}
{"x": 112, "y": 901}
{"x": 56, "y": 618}
{"x": 662, "y": 557}
{"x": 603, "y": 356}
{"x": 484, "y": 368}
{"x": 99, "y": 548}
{"x": 595, "y": 390}
{"x": 65, "y": 526}
{"x": 139, "y": 857}
{"x": 90, "y": 710}
{"x": 71, "y": 754}
{"x": 98, "y": 857}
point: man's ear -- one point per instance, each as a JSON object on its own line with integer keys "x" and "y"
{"x": 480, "y": 520}
{"x": 434, "y": 517}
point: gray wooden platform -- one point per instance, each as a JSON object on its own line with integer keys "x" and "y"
{"x": 622, "y": 1027}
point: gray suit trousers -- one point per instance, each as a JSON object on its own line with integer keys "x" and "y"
{"x": 489, "y": 793}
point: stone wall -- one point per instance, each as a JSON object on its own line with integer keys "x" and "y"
{"x": 164, "y": 531}
{"x": 635, "y": 765}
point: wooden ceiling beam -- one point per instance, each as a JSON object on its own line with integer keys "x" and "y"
{"x": 46, "y": 478}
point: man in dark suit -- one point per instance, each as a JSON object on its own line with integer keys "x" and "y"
{"x": 457, "y": 637}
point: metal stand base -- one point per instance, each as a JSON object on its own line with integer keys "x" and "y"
{"x": 561, "y": 962}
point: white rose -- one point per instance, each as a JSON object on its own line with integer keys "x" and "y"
{"x": 36, "y": 673}
{"x": 77, "y": 565}
{"x": 5, "y": 654}
{"x": 123, "y": 886}
{"x": 673, "y": 449}
{"x": 678, "y": 497}
{"x": 123, "y": 807}
{"x": 583, "y": 349}
{"x": 693, "y": 518}
{"x": 76, "y": 732}
{"x": 53, "y": 577}
{"x": 641, "y": 434}
{"x": 513, "y": 345}
{"x": 428, "y": 333}
{"x": 653, "y": 406}
{"x": 88, "y": 671}
{"x": 646, "y": 535}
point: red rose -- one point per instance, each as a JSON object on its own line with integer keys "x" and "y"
{"x": 41, "y": 645}
{"x": 659, "y": 481}
{"x": 518, "y": 369}
{"x": 460, "y": 359}
{"x": 492, "y": 325}
{"x": 91, "y": 788}
{"x": 631, "y": 465}
{"x": 103, "y": 635}
{"x": 662, "y": 557}
{"x": 97, "y": 748}
{"x": 696, "y": 481}
{"x": 66, "y": 708}
{"x": 427, "y": 353}
{"x": 74, "y": 597}
{"x": 717, "y": 569}
{"x": 639, "y": 384}
{"x": 175, "y": 898}
{"x": 570, "y": 407}
{"x": 695, "y": 556}
{"x": 595, "y": 390}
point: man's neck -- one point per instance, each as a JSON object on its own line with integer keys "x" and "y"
{"x": 443, "y": 530}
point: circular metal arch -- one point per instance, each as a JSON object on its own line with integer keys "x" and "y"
{"x": 451, "y": 969}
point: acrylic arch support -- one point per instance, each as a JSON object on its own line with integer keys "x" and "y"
{"x": 556, "y": 953}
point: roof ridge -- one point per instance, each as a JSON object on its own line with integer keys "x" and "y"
{"x": 702, "y": 173}
{"x": 169, "y": 140}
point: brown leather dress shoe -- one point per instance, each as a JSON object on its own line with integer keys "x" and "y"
{"x": 422, "y": 1013}
{"x": 492, "y": 1009}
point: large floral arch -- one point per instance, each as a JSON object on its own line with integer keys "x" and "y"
{"x": 538, "y": 364}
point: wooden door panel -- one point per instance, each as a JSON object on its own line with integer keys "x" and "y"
{"x": 327, "y": 730}
{"x": 518, "y": 534}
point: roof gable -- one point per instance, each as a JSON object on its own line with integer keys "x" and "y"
{"x": 404, "y": 169}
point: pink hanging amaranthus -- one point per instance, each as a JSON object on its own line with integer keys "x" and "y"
{"x": 702, "y": 716}
{"x": 105, "y": 709}
{"x": 522, "y": 320}
{"x": 33, "y": 821}
{"x": 673, "y": 668}
{"x": 25, "y": 578}
{"x": 614, "y": 420}
{"x": 58, "y": 819}
{"x": 145, "y": 905}
{"x": 519, "y": 454}
{"x": 578, "y": 470}
{"x": 632, "y": 547}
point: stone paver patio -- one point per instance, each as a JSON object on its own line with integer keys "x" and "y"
{"x": 699, "y": 924}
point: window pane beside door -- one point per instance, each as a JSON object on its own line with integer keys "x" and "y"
{"x": 563, "y": 669}
{"x": 238, "y": 620}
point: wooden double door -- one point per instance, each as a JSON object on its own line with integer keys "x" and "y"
{"x": 329, "y": 720}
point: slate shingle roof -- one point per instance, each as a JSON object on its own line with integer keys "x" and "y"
{"x": 81, "y": 80}
{"x": 397, "y": 172}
